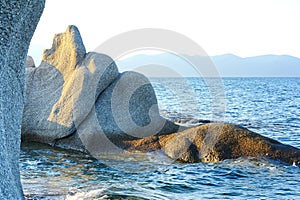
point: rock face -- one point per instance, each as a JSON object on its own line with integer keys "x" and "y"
{"x": 128, "y": 109}
{"x": 18, "y": 20}
{"x": 62, "y": 90}
{"x": 80, "y": 101}
{"x": 74, "y": 95}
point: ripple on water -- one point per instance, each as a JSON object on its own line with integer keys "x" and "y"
{"x": 49, "y": 173}
{"x": 240, "y": 178}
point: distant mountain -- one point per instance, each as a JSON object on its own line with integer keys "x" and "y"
{"x": 228, "y": 65}
{"x": 258, "y": 66}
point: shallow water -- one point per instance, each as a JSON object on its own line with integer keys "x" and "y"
{"x": 269, "y": 106}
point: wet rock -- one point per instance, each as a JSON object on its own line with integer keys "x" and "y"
{"x": 215, "y": 142}
{"x": 190, "y": 121}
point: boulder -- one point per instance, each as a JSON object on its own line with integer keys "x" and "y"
{"x": 18, "y": 20}
{"x": 62, "y": 91}
{"x": 215, "y": 142}
{"x": 128, "y": 109}
{"x": 74, "y": 96}
{"x": 78, "y": 100}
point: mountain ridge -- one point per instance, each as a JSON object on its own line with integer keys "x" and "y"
{"x": 258, "y": 66}
{"x": 227, "y": 65}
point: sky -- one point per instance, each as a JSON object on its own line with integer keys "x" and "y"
{"x": 242, "y": 27}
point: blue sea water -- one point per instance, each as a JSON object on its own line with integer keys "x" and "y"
{"x": 269, "y": 106}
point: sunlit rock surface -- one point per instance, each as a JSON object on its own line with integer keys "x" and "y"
{"x": 62, "y": 90}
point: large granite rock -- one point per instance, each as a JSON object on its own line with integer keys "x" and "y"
{"x": 18, "y": 20}
{"x": 128, "y": 109}
{"x": 74, "y": 96}
{"x": 63, "y": 89}
{"x": 79, "y": 101}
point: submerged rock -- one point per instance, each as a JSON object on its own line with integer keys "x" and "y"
{"x": 18, "y": 20}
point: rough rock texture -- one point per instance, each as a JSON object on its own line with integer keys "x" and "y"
{"x": 63, "y": 89}
{"x": 30, "y": 62}
{"x": 73, "y": 96}
{"x": 18, "y": 20}
{"x": 215, "y": 142}
{"x": 128, "y": 109}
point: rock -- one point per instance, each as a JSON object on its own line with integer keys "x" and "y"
{"x": 128, "y": 109}
{"x": 190, "y": 121}
{"x": 216, "y": 142}
{"x": 18, "y": 22}
{"x": 74, "y": 96}
{"x": 78, "y": 100}
{"x": 29, "y": 62}
{"x": 67, "y": 51}
{"x": 63, "y": 89}
{"x": 182, "y": 149}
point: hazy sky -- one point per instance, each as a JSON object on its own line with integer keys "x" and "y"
{"x": 242, "y": 27}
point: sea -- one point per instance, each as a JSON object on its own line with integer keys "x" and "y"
{"x": 268, "y": 106}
